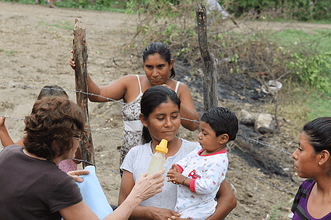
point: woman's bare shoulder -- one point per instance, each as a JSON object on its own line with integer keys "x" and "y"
{"x": 126, "y": 80}
{"x": 182, "y": 88}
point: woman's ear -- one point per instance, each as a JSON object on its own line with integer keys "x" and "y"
{"x": 143, "y": 120}
{"x": 223, "y": 139}
{"x": 172, "y": 63}
{"x": 324, "y": 157}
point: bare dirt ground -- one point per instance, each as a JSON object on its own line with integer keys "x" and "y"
{"x": 35, "y": 44}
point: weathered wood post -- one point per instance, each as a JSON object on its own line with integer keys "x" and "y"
{"x": 80, "y": 58}
{"x": 210, "y": 93}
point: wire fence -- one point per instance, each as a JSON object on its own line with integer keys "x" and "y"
{"x": 110, "y": 134}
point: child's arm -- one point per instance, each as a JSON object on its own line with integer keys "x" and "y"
{"x": 4, "y": 135}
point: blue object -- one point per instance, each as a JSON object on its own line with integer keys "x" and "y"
{"x": 93, "y": 195}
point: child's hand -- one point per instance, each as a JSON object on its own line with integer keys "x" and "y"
{"x": 2, "y": 121}
{"x": 174, "y": 175}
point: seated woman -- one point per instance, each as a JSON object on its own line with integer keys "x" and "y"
{"x": 160, "y": 115}
{"x": 33, "y": 187}
{"x": 313, "y": 161}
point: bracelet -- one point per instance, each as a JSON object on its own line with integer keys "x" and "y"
{"x": 184, "y": 181}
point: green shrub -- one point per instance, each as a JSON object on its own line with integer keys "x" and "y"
{"x": 312, "y": 69}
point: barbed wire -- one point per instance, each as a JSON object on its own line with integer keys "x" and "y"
{"x": 75, "y": 91}
{"x": 117, "y": 172}
{"x": 4, "y": 116}
{"x": 230, "y": 168}
{"x": 267, "y": 145}
{"x": 94, "y": 130}
{"x": 96, "y": 165}
{"x": 274, "y": 185}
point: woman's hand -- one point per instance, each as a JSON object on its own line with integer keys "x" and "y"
{"x": 148, "y": 186}
{"x": 72, "y": 62}
{"x": 164, "y": 214}
{"x": 77, "y": 173}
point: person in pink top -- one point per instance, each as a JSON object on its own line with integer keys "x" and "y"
{"x": 47, "y": 91}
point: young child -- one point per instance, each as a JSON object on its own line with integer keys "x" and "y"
{"x": 200, "y": 174}
{"x": 46, "y": 91}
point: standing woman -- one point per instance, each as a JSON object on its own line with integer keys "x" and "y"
{"x": 159, "y": 70}
{"x": 312, "y": 161}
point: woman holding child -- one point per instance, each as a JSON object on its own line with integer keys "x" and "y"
{"x": 160, "y": 115}
{"x": 159, "y": 70}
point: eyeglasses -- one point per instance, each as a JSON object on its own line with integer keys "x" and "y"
{"x": 78, "y": 138}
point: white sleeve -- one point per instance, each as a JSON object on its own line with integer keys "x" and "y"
{"x": 213, "y": 176}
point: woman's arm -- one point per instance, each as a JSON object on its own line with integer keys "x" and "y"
{"x": 115, "y": 90}
{"x": 142, "y": 212}
{"x": 4, "y": 135}
{"x": 226, "y": 202}
{"x": 187, "y": 109}
{"x": 146, "y": 187}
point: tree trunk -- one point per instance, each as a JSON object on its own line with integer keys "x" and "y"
{"x": 210, "y": 93}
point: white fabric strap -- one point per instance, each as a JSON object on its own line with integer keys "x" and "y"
{"x": 133, "y": 125}
{"x": 139, "y": 83}
{"x": 177, "y": 84}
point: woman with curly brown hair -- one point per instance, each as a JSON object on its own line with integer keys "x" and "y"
{"x": 33, "y": 187}
{"x": 47, "y": 91}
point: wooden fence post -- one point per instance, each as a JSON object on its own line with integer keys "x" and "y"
{"x": 210, "y": 92}
{"x": 80, "y": 58}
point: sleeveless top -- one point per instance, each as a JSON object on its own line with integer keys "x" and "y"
{"x": 299, "y": 207}
{"x": 132, "y": 126}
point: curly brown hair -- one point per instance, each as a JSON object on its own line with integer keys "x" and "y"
{"x": 51, "y": 126}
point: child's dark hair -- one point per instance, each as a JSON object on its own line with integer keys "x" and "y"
{"x": 53, "y": 90}
{"x": 222, "y": 121}
{"x": 163, "y": 50}
{"x": 152, "y": 98}
{"x": 319, "y": 133}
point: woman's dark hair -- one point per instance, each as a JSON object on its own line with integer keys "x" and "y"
{"x": 163, "y": 50}
{"x": 319, "y": 133}
{"x": 54, "y": 90}
{"x": 51, "y": 126}
{"x": 152, "y": 98}
{"x": 222, "y": 121}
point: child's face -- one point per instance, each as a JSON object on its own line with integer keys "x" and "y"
{"x": 208, "y": 140}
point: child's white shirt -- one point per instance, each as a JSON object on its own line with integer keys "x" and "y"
{"x": 207, "y": 173}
